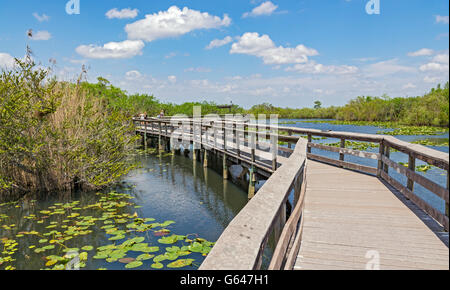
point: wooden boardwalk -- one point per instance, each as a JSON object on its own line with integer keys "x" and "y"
{"x": 348, "y": 214}
{"x": 341, "y": 219}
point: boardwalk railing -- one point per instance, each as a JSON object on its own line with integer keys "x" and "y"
{"x": 243, "y": 242}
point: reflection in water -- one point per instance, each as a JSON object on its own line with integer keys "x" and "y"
{"x": 165, "y": 188}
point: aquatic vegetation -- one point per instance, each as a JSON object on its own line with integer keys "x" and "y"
{"x": 421, "y": 168}
{"x": 59, "y": 245}
{"x": 415, "y": 130}
{"x": 356, "y": 145}
{"x": 395, "y": 129}
{"x": 438, "y": 142}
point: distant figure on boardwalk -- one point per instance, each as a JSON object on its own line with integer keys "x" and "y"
{"x": 143, "y": 116}
{"x": 161, "y": 114}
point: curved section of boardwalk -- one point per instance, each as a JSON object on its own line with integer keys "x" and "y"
{"x": 350, "y": 217}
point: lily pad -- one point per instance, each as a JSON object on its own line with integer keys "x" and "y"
{"x": 181, "y": 263}
{"x": 144, "y": 257}
{"x": 134, "y": 264}
{"x": 157, "y": 266}
{"x": 127, "y": 260}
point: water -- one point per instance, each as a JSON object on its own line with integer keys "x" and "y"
{"x": 172, "y": 188}
{"x": 437, "y": 175}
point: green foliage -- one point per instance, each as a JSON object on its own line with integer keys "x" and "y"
{"x": 317, "y": 104}
{"x": 291, "y": 113}
{"x": 56, "y": 137}
{"x": 429, "y": 110}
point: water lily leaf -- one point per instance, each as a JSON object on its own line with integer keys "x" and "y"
{"x": 134, "y": 264}
{"x": 83, "y": 256}
{"x": 116, "y": 238}
{"x": 157, "y": 266}
{"x": 196, "y": 247}
{"x": 159, "y": 258}
{"x": 144, "y": 257}
{"x": 101, "y": 256}
{"x": 127, "y": 260}
{"x": 181, "y": 263}
{"x": 70, "y": 250}
{"x": 107, "y": 247}
{"x": 171, "y": 239}
{"x": 87, "y": 248}
{"x": 166, "y": 223}
{"x": 171, "y": 256}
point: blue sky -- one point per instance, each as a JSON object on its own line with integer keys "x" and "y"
{"x": 285, "y": 52}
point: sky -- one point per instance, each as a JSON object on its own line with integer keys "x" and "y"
{"x": 283, "y": 52}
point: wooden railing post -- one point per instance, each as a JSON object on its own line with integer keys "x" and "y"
{"x": 412, "y": 167}
{"x": 224, "y": 159}
{"x": 160, "y": 146}
{"x": 215, "y": 136}
{"x": 380, "y": 160}
{"x": 387, "y": 154}
{"x": 145, "y": 135}
{"x": 289, "y": 143}
{"x": 274, "y": 150}
{"x": 342, "y": 155}
{"x": 309, "y": 141}
{"x": 446, "y": 204}
{"x": 252, "y": 177}
{"x": 238, "y": 141}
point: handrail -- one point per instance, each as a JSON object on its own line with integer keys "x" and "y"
{"x": 242, "y": 243}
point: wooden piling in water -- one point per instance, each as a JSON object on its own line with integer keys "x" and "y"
{"x": 225, "y": 167}
{"x": 205, "y": 158}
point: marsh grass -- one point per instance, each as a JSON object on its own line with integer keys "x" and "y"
{"x": 57, "y": 138}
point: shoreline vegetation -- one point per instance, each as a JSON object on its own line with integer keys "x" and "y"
{"x": 61, "y": 137}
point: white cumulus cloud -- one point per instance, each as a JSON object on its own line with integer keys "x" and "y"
{"x": 316, "y": 68}
{"x": 124, "y": 49}
{"x": 126, "y": 13}
{"x": 252, "y": 43}
{"x": 422, "y": 52}
{"x": 172, "y": 79}
{"x": 434, "y": 66}
{"x": 41, "y": 35}
{"x": 441, "y": 58}
{"x": 266, "y": 8}
{"x": 133, "y": 75}
{"x": 41, "y": 18}
{"x": 219, "y": 42}
{"x": 6, "y": 60}
{"x": 172, "y": 23}
{"x": 442, "y": 19}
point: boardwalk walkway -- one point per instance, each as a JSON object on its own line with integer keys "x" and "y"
{"x": 341, "y": 219}
{"x": 348, "y": 214}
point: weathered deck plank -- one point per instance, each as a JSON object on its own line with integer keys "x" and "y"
{"x": 348, "y": 214}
